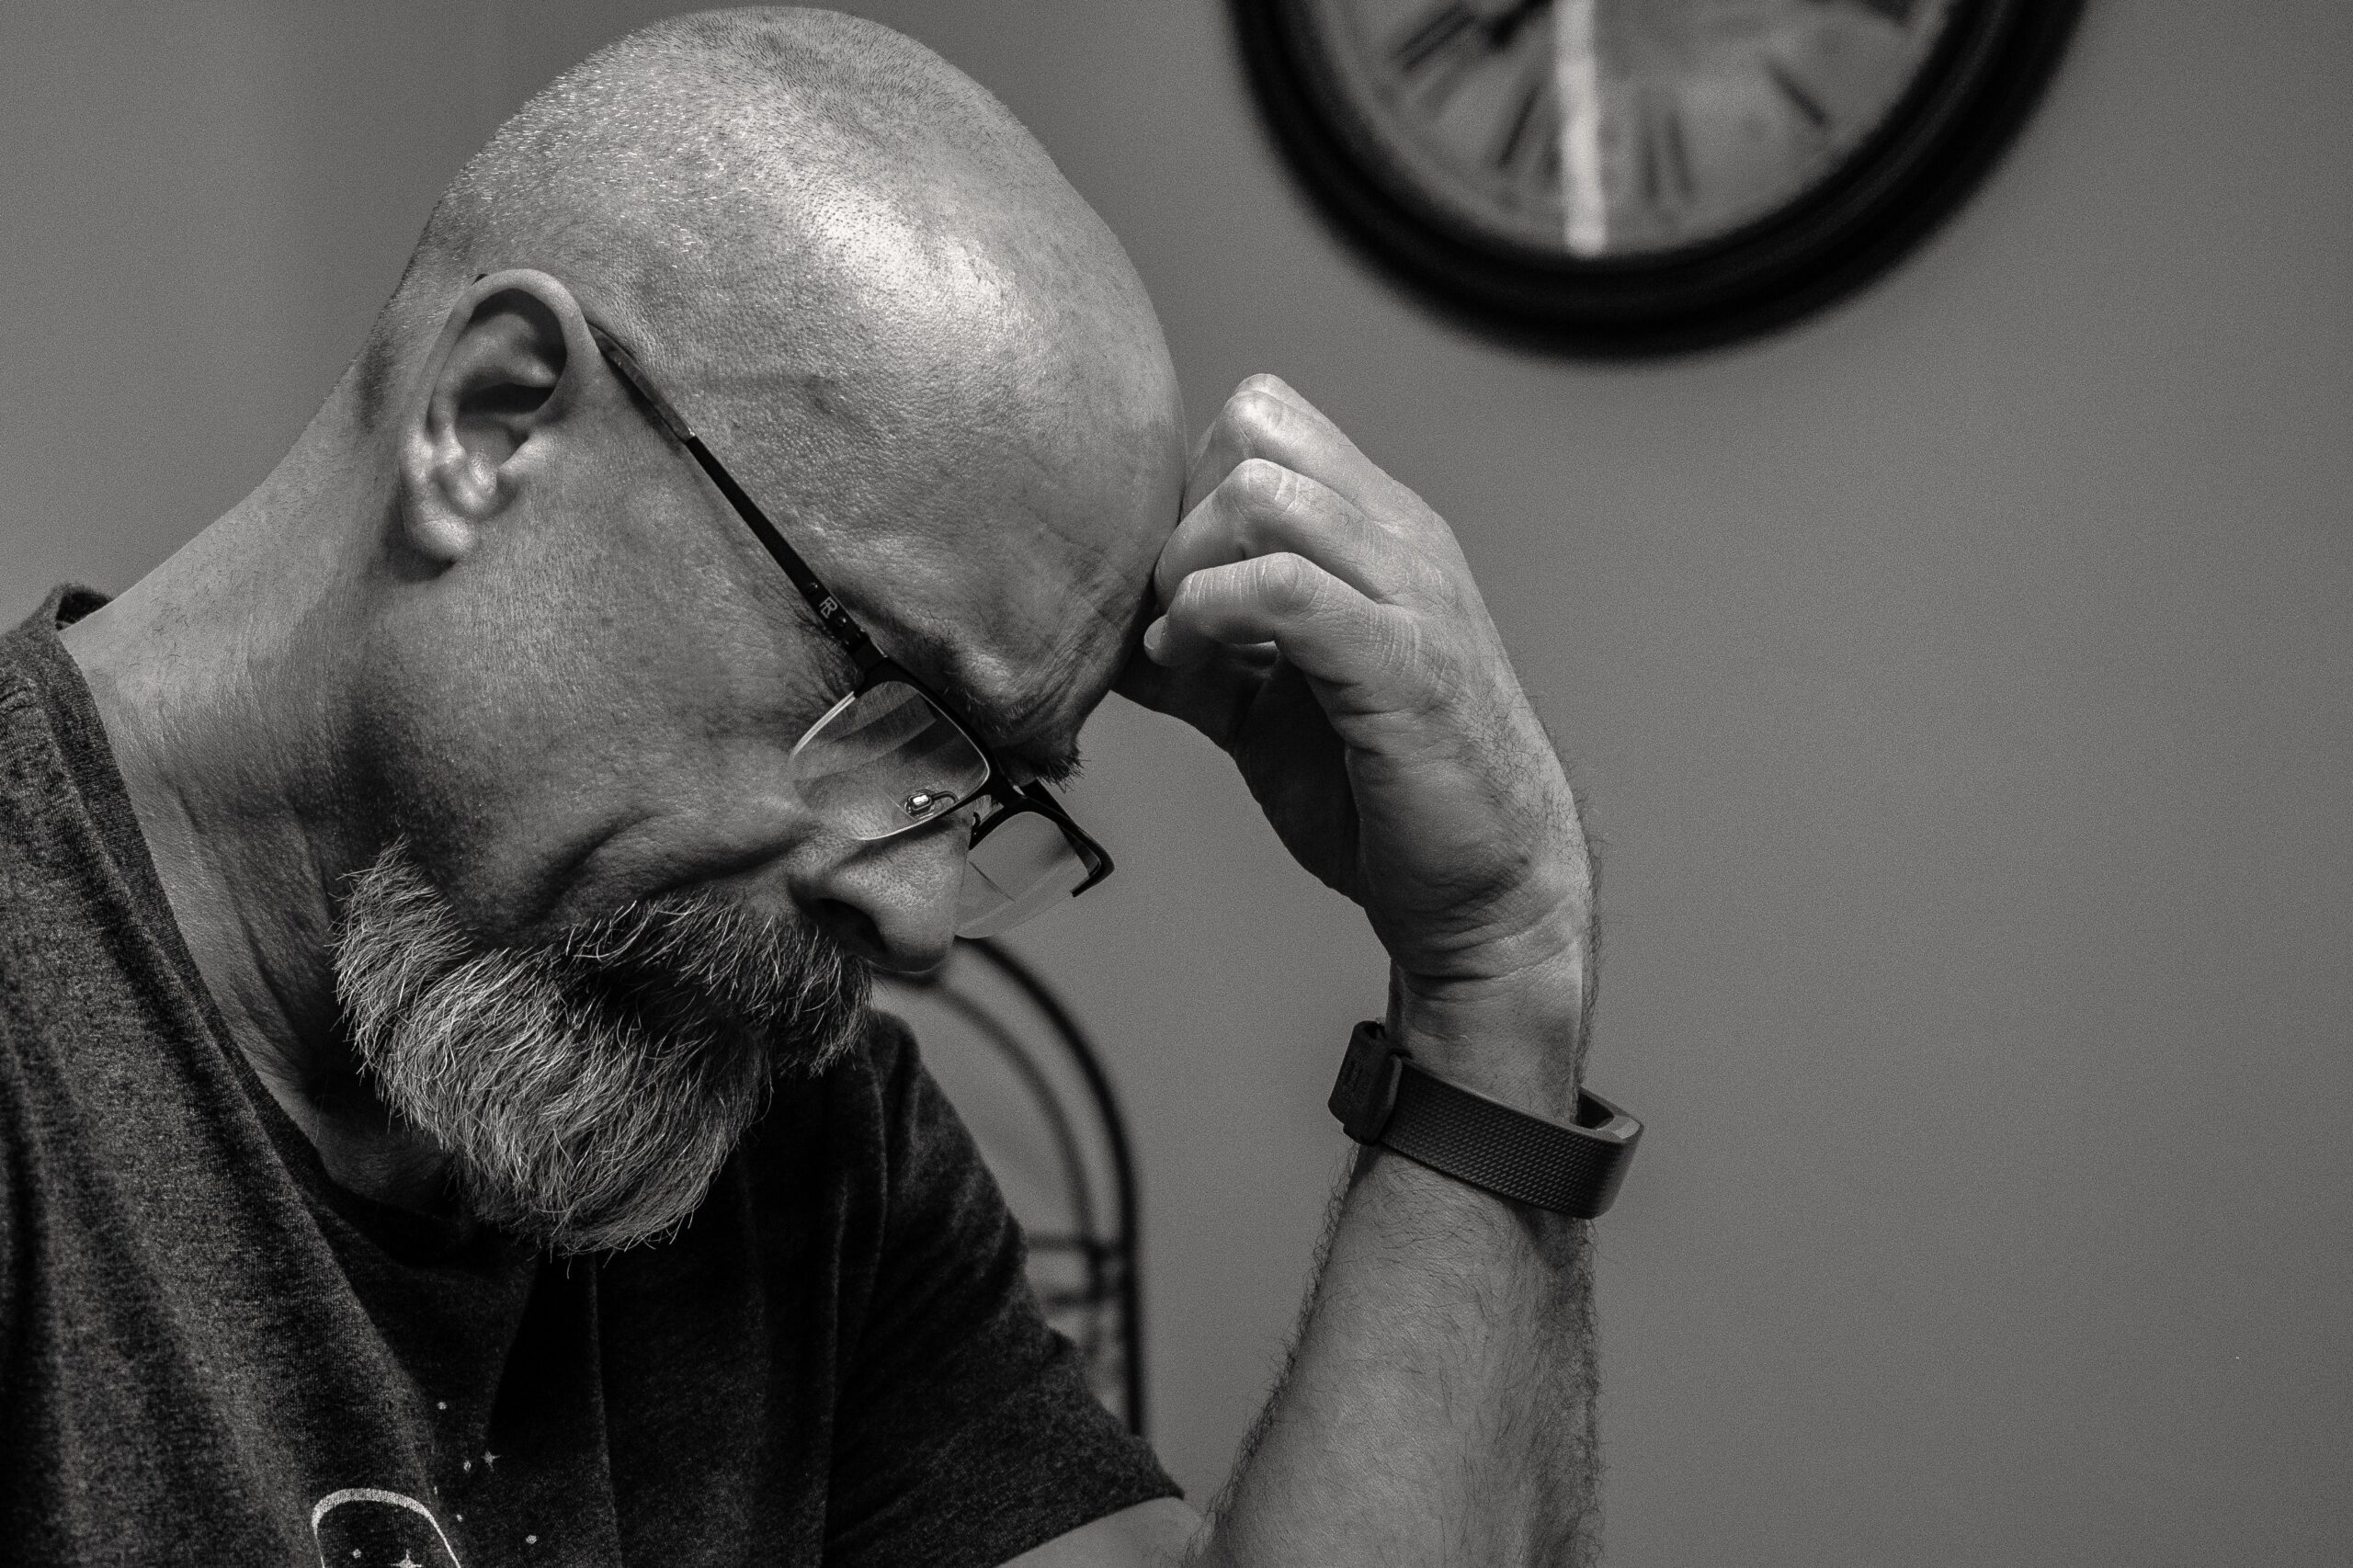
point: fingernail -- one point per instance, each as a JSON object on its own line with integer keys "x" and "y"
{"x": 1155, "y": 639}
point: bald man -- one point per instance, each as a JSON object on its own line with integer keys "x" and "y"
{"x": 442, "y": 1119}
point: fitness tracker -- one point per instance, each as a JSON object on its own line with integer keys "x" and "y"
{"x": 1384, "y": 1098}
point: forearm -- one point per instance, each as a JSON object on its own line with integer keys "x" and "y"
{"x": 1439, "y": 1404}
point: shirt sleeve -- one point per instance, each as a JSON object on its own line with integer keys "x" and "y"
{"x": 966, "y": 1434}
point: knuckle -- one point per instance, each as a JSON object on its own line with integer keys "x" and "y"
{"x": 1256, "y": 412}
{"x": 1432, "y": 690}
{"x": 1194, "y": 589}
{"x": 1286, "y": 581}
{"x": 1260, "y": 484}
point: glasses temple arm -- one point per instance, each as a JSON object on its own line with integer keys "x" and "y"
{"x": 829, "y": 611}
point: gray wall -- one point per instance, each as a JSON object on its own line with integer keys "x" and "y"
{"x": 1960, "y": 681}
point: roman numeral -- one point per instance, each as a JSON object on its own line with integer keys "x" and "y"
{"x": 1439, "y": 29}
{"x": 1450, "y": 40}
{"x": 1803, "y": 101}
{"x": 1665, "y": 158}
{"x": 1515, "y": 137}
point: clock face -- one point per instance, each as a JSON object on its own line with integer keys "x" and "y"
{"x": 1637, "y": 176}
{"x": 1594, "y": 130}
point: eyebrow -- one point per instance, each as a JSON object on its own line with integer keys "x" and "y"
{"x": 934, "y": 664}
{"x": 1049, "y": 763}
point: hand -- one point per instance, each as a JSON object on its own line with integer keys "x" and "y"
{"x": 1321, "y": 625}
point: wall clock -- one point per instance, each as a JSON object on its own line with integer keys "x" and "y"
{"x": 1623, "y": 177}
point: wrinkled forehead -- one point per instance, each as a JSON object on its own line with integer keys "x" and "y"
{"x": 1018, "y": 584}
{"x": 1024, "y": 666}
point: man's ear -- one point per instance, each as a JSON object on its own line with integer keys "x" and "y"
{"x": 507, "y": 367}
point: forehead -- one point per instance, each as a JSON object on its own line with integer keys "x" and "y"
{"x": 1021, "y": 628}
{"x": 979, "y": 448}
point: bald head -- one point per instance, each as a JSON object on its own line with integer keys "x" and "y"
{"x": 868, "y": 285}
{"x": 790, "y": 201}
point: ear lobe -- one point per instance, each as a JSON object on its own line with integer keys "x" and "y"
{"x": 502, "y": 374}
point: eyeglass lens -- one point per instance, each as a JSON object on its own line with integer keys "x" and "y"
{"x": 1023, "y": 864}
{"x": 886, "y": 760}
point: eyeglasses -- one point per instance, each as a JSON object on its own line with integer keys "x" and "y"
{"x": 889, "y": 757}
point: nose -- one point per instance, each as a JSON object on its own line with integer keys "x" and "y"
{"x": 894, "y": 902}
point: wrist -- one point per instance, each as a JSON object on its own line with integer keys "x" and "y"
{"x": 1518, "y": 1036}
{"x": 1570, "y": 1165}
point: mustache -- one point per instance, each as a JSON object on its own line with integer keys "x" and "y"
{"x": 589, "y": 1086}
{"x": 691, "y": 964}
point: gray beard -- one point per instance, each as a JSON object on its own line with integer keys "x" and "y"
{"x": 586, "y": 1087}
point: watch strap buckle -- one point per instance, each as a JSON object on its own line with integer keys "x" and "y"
{"x": 1366, "y": 1091}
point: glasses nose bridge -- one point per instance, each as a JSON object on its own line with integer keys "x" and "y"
{"x": 961, "y": 821}
{"x": 886, "y": 761}
{"x": 889, "y": 767}
{"x": 926, "y": 807}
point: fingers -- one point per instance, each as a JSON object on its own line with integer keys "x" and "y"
{"x": 1274, "y": 477}
{"x": 1264, "y": 508}
{"x": 1324, "y": 627}
{"x": 1293, "y": 541}
{"x": 1267, "y": 418}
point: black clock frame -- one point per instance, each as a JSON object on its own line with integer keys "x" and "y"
{"x": 1973, "y": 92}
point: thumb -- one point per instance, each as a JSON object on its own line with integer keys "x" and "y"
{"x": 1211, "y": 693}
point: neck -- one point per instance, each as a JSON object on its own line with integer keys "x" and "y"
{"x": 222, "y": 678}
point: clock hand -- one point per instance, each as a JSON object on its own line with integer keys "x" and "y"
{"x": 1584, "y": 203}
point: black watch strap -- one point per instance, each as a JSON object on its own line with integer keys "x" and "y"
{"x": 1382, "y": 1098}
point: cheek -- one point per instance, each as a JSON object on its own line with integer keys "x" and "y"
{"x": 539, "y": 763}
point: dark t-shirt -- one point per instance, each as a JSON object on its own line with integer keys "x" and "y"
{"x": 210, "y": 1353}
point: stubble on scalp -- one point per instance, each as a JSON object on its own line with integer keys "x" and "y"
{"x": 589, "y": 1087}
